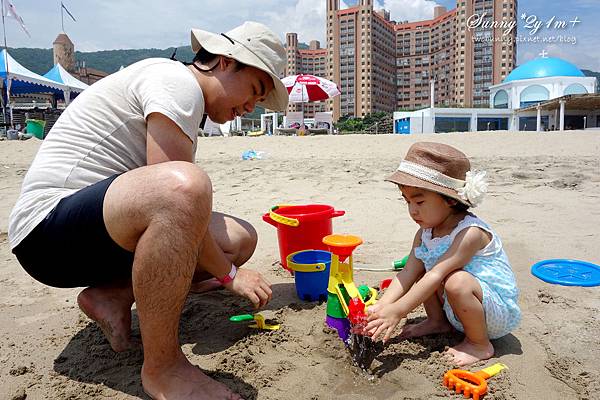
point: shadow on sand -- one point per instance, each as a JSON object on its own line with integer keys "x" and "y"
{"x": 421, "y": 348}
{"x": 204, "y": 324}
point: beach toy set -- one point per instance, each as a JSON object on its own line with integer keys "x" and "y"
{"x": 311, "y": 253}
{"x": 301, "y": 227}
{"x": 346, "y": 302}
{"x": 322, "y": 263}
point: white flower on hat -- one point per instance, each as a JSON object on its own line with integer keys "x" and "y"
{"x": 475, "y": 187}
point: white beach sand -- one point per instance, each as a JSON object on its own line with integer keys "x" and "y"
{"x": 544, "y": 202}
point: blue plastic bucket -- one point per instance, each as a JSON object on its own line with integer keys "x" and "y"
{"x": 311, "y": 271}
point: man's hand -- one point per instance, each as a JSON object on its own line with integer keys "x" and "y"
{"x": 251, "y": 285}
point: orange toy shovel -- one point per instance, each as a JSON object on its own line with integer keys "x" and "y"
{"x": 472, "y": 384}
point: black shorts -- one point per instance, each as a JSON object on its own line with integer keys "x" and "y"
{"x": 71, "y": 247}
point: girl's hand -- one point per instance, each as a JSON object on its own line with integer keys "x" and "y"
{"x": 382, "y": 319}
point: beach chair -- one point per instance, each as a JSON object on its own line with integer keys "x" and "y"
{"x": 287, "y": 131}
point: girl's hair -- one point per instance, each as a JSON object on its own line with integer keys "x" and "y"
{"x": 459, "y": 206}
{"x": 204, "y": 57}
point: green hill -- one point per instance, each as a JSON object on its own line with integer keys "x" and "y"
{"x": 41, "y": 60}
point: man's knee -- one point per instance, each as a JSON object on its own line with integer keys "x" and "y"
{"x": 183, "y": 189}
{"x": 187, "y": 182}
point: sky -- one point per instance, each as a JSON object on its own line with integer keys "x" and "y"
{"x": 126, "y": 24}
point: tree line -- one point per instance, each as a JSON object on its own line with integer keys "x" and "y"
{"x": 41, "y": 61}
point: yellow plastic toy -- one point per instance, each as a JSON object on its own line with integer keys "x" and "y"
{"x": 341, "y": 273}
{"x": 280, "y": 218}
{"x": 259, "y": 318}
{"x": 472, "y": 384}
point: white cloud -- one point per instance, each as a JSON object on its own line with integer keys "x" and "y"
{"x": 307, "y": 18}
{"x": 409, "y": 10}
{"x": 123, "y": 24}
{"x": 583, "y": 53}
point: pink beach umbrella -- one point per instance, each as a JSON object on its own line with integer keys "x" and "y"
{"x": 304, "y": 88}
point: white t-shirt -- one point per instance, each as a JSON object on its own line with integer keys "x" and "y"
{"x": 102, "y": 133}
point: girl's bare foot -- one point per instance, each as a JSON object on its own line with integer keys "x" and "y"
{"x": 110, "y": 308}
{"x": 468, "y": 352}
{"x": 427, "y": 327}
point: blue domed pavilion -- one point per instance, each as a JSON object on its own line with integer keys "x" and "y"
{"x": 544, "y": 94}
{"x": 543, "y": 68}
{"x": 540, "y": 80}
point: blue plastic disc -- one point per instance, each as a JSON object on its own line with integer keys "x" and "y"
{"x": 567, "y": 272}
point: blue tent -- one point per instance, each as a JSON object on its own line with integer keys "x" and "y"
{"x": 20, "y": 80}
{"x": 60, "y": 75}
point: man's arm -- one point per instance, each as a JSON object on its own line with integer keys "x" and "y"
{"x": 166, "y": 141}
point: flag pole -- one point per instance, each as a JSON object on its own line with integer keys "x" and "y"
{"x": 6, "y": 83}
{"x": 62, "y": 17}
{"x": 3, "y": 26}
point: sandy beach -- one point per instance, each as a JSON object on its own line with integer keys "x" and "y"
{"x": 544, "y": 202}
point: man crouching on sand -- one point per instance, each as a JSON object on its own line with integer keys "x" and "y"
{"x": 113, "y": 201}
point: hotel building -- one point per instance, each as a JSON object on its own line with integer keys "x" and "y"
{"x": 382, "y": 65}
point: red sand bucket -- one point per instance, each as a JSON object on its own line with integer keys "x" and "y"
{"x": 301, "y": 227}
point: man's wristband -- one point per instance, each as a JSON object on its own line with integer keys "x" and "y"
{"x": 229, "y": 277}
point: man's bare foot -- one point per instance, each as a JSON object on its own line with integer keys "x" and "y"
{"x": 206, "y": 286}
{"x": 467, "y": 352}
{"x": 110, "y": 308}
{"x": 427, "y": 327}
{"x": 183, "y": 381}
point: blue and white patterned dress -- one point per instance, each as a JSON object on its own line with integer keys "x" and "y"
{"x": 491, "y": 268}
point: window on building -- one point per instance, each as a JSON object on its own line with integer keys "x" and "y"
{"x": 534, "y": 94}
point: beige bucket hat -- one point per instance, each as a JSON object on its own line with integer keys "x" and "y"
{"x": 443, "y": 169}
{"x": 252, "y": 44}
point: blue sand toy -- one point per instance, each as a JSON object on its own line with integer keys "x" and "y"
{"x": 567, "y": 272}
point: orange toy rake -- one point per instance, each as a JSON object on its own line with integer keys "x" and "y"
{"x": 472, "y": 384}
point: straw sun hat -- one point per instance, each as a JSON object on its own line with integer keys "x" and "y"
{"x": 442, "y": 169}
{"x": 252, "y": 44}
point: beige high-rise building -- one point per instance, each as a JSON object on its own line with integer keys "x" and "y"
{"x": 382, "y": 65}
{"x": 484, "y": 55}
{"x": 425, "y": 51}
{"x": 306, "y": 61}
{"x": 361, "y": 59}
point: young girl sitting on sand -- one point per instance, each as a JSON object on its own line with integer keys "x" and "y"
{"x": 457, "y": 267}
